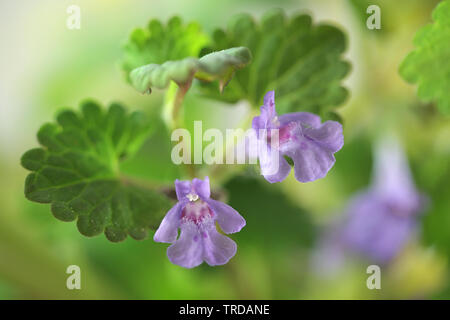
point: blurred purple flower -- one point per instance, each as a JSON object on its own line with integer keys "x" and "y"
{"x": 196, "y": 215}
{"x": 300, "y": 136}
{"x": 382, "y": 219}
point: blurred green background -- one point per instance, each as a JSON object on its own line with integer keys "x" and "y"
{"x": 45, "y": 66}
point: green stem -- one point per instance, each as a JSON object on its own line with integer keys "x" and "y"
{"x": 178, "y": 103}
{"x": 172, "y": 113}
{"x": 173, "y": 104}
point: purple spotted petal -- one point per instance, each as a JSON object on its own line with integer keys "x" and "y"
{"x": 201, "y": 187}
{"x": 168, "y": 229}
{"x": 182, "y": 188}
{"x": 217, "y": 248}
{"x": 195, "y": 214}
{"x": 229, "y": 220}
{"x": 305, "y": 118}
{"x": 302, "y": 137}
{"x": 187, "y": 251}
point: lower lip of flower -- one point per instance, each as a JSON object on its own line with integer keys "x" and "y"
{"x": 196, "y": 211}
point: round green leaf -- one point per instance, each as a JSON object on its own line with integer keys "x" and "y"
{"x": 76, "y": 171}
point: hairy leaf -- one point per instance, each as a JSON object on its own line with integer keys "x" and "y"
{"x": 77, "y": 171}
{"x": 301, "y": 62}
{"x": 158, "y": 43}
{"x": 219, "y": 65}
{"x": 428, "y": 65}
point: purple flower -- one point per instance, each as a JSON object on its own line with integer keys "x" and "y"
{"x": 196, "y": 215}
{"x": 300, "y": 136}
{"x": 381, "y": 220}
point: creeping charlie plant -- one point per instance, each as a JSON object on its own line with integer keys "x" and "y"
{"x": 78, "y": 168}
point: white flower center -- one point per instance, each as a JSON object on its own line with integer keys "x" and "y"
{"x": 192, "y": 197}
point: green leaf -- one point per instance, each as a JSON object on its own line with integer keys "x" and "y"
{"x": 428, "y": 65}
{"x": 301, "y": 62}
{"x": 77, "y": 172}
{"x": 158, "y": 43}
{"x": 219, "y": 65}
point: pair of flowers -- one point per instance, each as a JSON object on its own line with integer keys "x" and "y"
{"x": 299, "y": 136}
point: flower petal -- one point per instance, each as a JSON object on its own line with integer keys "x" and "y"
{"x": 258, "y": 123}
{"x": 392, "y": 238}
{"x": 268, "y": 113}
{"x": 229, "y": 220}
{"x": 187, "y": 251}
{"x": 182, "y": 188}
{"x": 374, "y": 230}
{"x": 305, "y": 118}
{"x": 329, "y": 135}
{"x": 274, "y": 167}
{"x": 201, "y": 187}
{"x": 269, "y": 103}
{"x": 168, "y": 229}
{"x": 312, "y": 161}
{"x": 218, "y": 249}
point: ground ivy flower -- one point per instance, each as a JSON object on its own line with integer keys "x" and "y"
{"x": 300, "y": 136}
{"x": 380, "y": 220}
{"x": 196, "y": 214}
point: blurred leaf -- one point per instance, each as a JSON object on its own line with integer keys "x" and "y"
{"x": 301, "y": 62}
{"x": 36, "y": 271}
{"x": 77, "y": 172}
{"x": 217, "y": 65}
{"x": 436, "y": 222}
{"x": 428, "y": 65}
{"x": 158, "y": 43}
{"x": 272, "y": 220}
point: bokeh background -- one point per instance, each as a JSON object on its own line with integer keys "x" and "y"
{"x": 44, "y": 66}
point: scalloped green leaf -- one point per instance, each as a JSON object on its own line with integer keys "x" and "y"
{"x": 77, "y": 172}
{"x": 302, "y": 62}
{"x": 158, "y": 43}
{"x": 219, "y": 65}
{"x": 428, "y": 65}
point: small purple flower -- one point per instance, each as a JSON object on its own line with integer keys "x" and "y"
{"x": 196, "y": 215}
{"x": 381, "y": 220}
{"x": 300, "y": 136}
